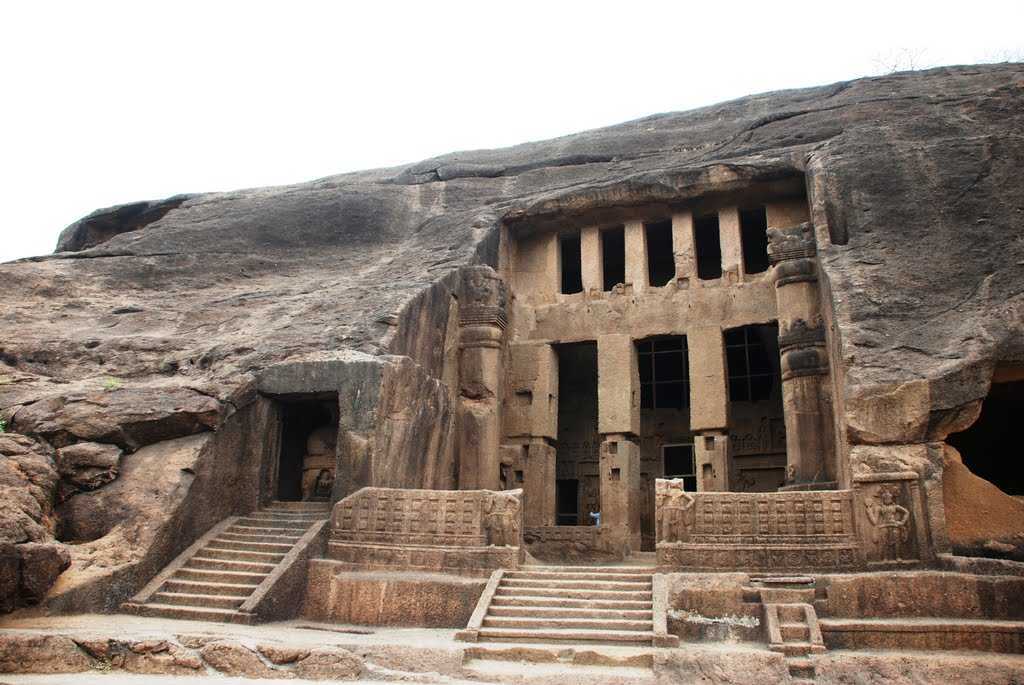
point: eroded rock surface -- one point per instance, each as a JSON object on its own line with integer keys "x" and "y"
{"x": 30, "y": 557}
{"x": 153, "y": 320}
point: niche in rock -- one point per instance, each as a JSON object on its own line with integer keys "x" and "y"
{"x": 990, "y": 447}
{"x": 309, "y": 435}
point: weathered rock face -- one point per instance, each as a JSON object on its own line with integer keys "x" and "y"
{"x": 30, "y": 557}
{"x": 156, "y": 319}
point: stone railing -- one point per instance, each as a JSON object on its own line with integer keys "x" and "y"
{"x": 428, "y": 529}
{"x": 771, "y": 531}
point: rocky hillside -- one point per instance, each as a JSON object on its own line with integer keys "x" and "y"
{"x": 149, "y": 322}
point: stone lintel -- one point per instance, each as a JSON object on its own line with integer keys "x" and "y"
{"x": 618, "y": 380}
{"x": 636, "y": 256}
{"x": 709, "y": 395}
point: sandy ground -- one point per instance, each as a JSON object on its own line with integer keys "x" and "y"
{"x": 133, "y": 679}
{"x": 293, "y": 633}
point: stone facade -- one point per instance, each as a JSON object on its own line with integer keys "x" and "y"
{"x": 468, "y": 531}
{"x": 733, "y": 347}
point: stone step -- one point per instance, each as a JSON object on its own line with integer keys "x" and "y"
{"x": 278, "y": 505}
{"x": 190, "y": 613}
{"x": 241, "y": 555}
{"x": 792, "y": 613}
{"x": 576, "y": 584}
{"x": 238, "y": 577}
{"x": 560, "y": 622}
{"x": 567, "y": 603}
{"x": 221, "y": 543}
{"x": 271, "y": 522}
{"x": 567, "y": 635}
{"x": 801, "y": 667}
{"x": 639, "y": 570}
{"x": 242, "y": 537}
{"x": 564, "y": 612}
{"x": 793, "y": 648}
{"x": 795, "y": 632}
{"x": 264, "y": 530}
{"x": 562, "y": 575}
{"x": 213, "y": 564}
{"x": 783, "y": 581}
{"x": 195, "y": 600}
{"x": 582, "y": 593}
{"x": 773, "y": 595}
{"x": 290, "y": 519}
{"x": 200, "y": 588}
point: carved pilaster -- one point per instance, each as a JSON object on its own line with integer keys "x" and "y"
{"x": 483, "y": 302}
{"x": 806, "y": 398}
{"x": 802, "y": 346}
{"x": 792, "y": 251}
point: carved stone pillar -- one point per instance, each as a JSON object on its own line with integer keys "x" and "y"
{"x": 530, "y": 416}
{"x": 806, "y": 394}
{"x": 618, "y": 422}
{"x": 709, "y": 407}
{"x": 482, "y": 304}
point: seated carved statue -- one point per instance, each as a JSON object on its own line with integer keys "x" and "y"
{"x": 318, "y": 464}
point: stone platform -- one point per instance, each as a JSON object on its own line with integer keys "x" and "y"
{"x": 299, "y": 650}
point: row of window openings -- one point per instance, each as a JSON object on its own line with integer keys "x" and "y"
{"x": 679, "y": 462}
{"x": 665, "y": 373}
{"x": 661, "y": 262}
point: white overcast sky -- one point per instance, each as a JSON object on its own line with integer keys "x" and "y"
{"x": 110, "y": 102}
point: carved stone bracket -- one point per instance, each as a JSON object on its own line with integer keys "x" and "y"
{"x": 483, "y": 298}
{"x": 792, "y": 251}
{"x": 796, "y": 242}
{"x": 802, "y": 346}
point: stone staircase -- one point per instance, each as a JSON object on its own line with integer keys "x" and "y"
{"x": 791, "y": 621}
{"x": 224, "y": 574}
{"x": 567, "y": 604}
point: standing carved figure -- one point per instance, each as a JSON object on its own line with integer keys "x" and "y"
{"x": 676, "y": 507}
{"x": 890, "y": 522}
{"x": 501, "y": 520}
{"x": 320, "y": 457}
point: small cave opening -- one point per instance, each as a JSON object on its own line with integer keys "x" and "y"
{"x": 661, "y": 262}
{"x": 754, "y": 239}
{"x": 309, "y": 435}
{"x": 989, "y": 447}
{"x": 571, "y": 254}
{"x": 613, "y": 257}
{"x": 707, "y": 243}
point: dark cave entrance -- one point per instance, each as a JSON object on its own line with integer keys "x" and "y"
{"x": 578, "y": 487}
{"x": 309, "y": 430}
{"x": 990, "y": 447}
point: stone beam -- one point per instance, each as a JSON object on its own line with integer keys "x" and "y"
{"x": 732, "y": 244}
{"x": 636, "y": 256}
{"x": 618, "y": 391}
{"x": 682, "y": 246}
{"x": 590, "y": 249}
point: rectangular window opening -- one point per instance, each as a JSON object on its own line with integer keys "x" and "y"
{"x": 661, "y": 262}
{"x": 664, "y": 367}
{"x": 572, "y": 263}
{"x": 751, "y": 355}
{"x": 567, "y": 501}
{"x": 680, "y": 463}
{"x": 754, "y": 237}
{"x": 613, "y": 257}
{"x": 708, "y": 247}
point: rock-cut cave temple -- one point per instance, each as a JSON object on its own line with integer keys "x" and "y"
{"x": 745, "y": 374}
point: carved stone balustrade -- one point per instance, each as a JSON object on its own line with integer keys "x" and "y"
{"x": 800, "y": 531}
{"x": 462, "y": 531}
